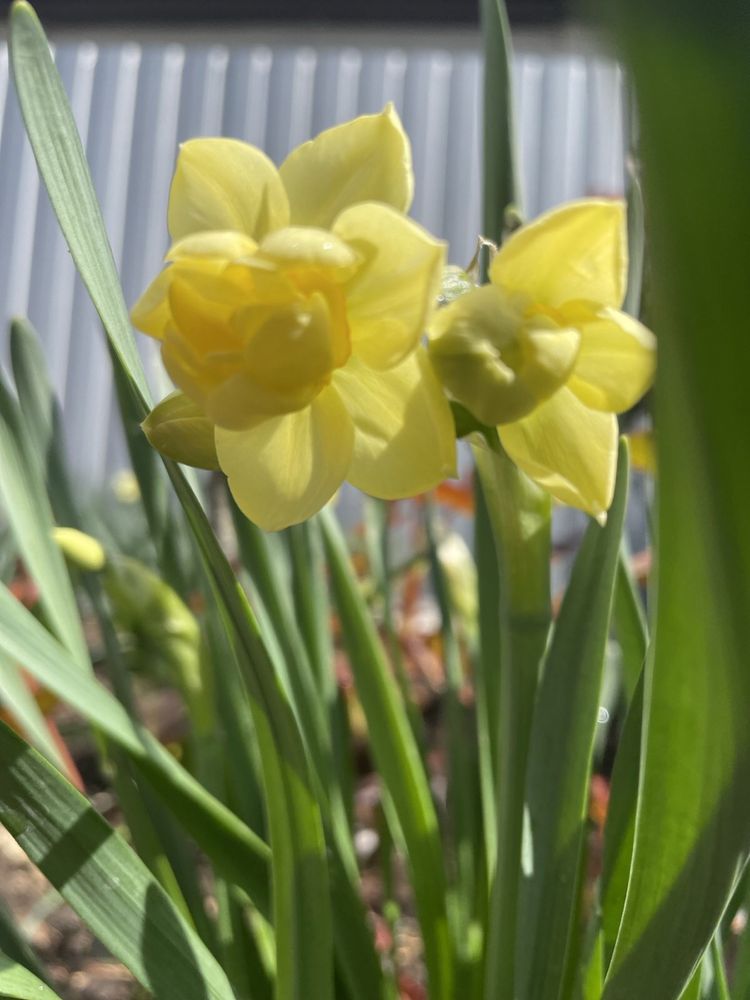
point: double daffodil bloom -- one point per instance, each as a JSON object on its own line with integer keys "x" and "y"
{"x": 544, "y": 352}
{"x": 290, "y": 314}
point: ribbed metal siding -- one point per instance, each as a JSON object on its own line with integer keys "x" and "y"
{"x": 134, "y": 104}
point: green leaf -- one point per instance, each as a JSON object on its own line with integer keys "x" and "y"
{"x": 28, "y": 510}
{"x": 629, "y": 621}
{"x": 102, "y": 879}
{"x": 499, "y": 173}
{"x": 62, "y": 163}
{"x": 619, "y": 831}
{"x": 689, "y": 67}
{"x": 560, "y": 755}
{"x": 397, "y": 759}
{"x": 17, "y": 983}
{"x": 228, "y": 841}
{"x": 300, "y": 870}
{"x": 16, "y": 697}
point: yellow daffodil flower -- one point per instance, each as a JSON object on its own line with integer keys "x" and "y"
{"x": 544, "y": 352}
{"x": 290, "y": 313}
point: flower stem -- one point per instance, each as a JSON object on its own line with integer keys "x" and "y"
{"x": 519, "y": 514}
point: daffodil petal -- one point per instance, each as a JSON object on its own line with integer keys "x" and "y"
{"x": 225, "y": 184}
{"x": 404, "y": 439}
{"x": 577, "y": 251}
{"x": 367, "y": 159}
{"x": 392, "y": 295}
{"x": 616, "y": 362}
{"x": 286, "y": 468}
{"x": 306, "y": 246}
{"x": 224, "y": 244}
{"x": 568, "y": 449}
{"x": 151, "y": 312}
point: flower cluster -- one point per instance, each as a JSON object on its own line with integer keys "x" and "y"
{"x": 291, "y": 313}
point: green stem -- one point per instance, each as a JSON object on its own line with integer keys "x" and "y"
{"x": 520, "y": 517}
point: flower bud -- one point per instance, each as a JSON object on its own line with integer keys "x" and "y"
{"x": 82, "y": 550}
{"x": 177, "y": 428}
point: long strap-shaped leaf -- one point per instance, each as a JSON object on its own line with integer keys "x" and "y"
{"x": 300, "y": 878}
{"x": 397, "y": 758}
{"x": 17, "y": 983}
{"x": 561, "y": 747}
{"x": 242, "y": 855}
{"x": 689, "y": 64}
{"x": 62, "y": 163}
{"x": 102, "y": 878}
{"x": 30, "y": 517}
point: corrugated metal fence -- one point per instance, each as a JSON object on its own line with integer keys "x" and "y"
{"x": 135, "y": 103}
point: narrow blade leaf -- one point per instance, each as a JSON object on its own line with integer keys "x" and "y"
{"x": 62, "y": 163}
{"x": 102, "y": 879}
{"x": 561, "y": 749}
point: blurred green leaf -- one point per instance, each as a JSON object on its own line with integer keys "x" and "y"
{"x": 16, "y": 697}
{"x": 25, "y": 501}
{"x": 18, "y": 983}
{"x": 560, "y": 755}
{"x": 102, "y": 879}
{"x": 689, "y": 65}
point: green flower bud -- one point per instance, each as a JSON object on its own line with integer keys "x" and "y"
{"x": 178, "y": 429}
{"x": 82, "y": 550}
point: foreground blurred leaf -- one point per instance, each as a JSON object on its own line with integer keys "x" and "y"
{"x": 559, "y": 770}
{"x": 102, "y": 879}
{"x": 17, "y": 983}
{"x": 300, "y": 873}
{"x": 242, "y": 854}
{"x": 689, "y": 64}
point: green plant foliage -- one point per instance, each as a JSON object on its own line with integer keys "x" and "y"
{"x": 398, "y": 760}
{"x": 501, "y": 869}
{"x": 102, "y": 879}
{"x": 18, "y": 983}
{"x": 689, "y": 66}
{"x": 559, "y": 768}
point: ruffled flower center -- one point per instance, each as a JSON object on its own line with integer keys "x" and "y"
{"x": 260, "y": 335}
